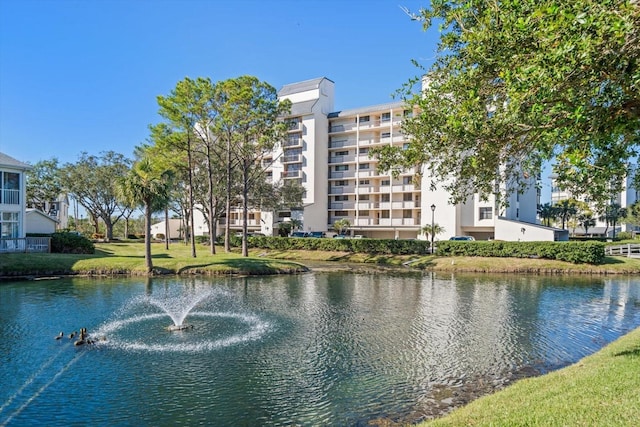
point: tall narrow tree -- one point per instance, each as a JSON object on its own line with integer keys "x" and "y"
{"x": 250, "y": 125}
{"x": 149, "y": 186}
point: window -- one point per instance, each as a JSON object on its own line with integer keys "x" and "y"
{"x": 364, "y": 197}
{"x": 340, "y": 213}
{"x": 341, "y": 198}
{"x": 342, "y": 168}
{"x": 364, "y": 213}
{"x": 385, "y": 182}
{"x": 385, "y": 117}
{"x": 363, "y": 166}
{"x": 385, "y": 135}
{"x": 408, "y": 113}
{"x": 294, "y": 123}
{"x": 406, "y": 180}
{"x": 341, "y": 183}
{"x": 384, "y": 198}
{"x": 407, "y": 197}
{"x": 406, "y": 214}
{"x": 364, "y": 182}
{"x": 9, "y": 225}
{"x": 342, "y": 153}
{"x": 363, "y": 119}
{"x": 384, "y": 214}
{"x": 364, "y": 150}
{"x": 486, "y": 213}
{"x": 10, "y": 188}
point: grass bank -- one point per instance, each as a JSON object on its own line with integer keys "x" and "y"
{"x": 600, "y": 390}
{"x": 128, "y": 258}
{"x": 612, "y": 265}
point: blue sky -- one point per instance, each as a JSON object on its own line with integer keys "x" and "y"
{"x": 84, "y": 75}
{"x": 81, "y": 75}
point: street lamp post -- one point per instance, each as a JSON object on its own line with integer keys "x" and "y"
{"x": 433, "y": 209}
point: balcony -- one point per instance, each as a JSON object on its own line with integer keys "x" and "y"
{"x": 291, "y": 158}
{"x": 10, "y": 197}
{"x": 342, "y": 174}
{"x": 342, "y": 159}
{"x": 291, "y": 174}
{"x": 342, "y": 143}
{"x": 342, "y": 205}
{"x": 343, "y": 189}
{"x": 403, "y": 188}
{"x": 292, "y": 141}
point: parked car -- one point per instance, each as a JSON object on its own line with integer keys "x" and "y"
{"x": 299, "y": 234}
{"x": 467, "y": 238}
{"x": 316, "y": 234}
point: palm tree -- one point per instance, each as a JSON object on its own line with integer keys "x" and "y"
{"x": 611, "y": 215}
{"x": 437, "y": 229}
{"x": 547, "y": 212}
{"x": 146, "y": 185}
{"x": 586, "y": 220}
{"x": 342, "y": 225}
{"x": 566, "y": 209}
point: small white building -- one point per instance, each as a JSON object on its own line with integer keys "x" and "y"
{"x": 37, "y": 222}
{"x": 159, "y": 230}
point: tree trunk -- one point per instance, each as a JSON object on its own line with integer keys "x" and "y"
{"x": 227, "y": 236}
{"x": 167, "y": 228}
{"x": 191, "y": 226}
{"x": 245, "y": 211}
{"x": 147, "y": 238}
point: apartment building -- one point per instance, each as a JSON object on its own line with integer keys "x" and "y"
{"x": 328, "y": 153}
{"x": 625, "y": 198}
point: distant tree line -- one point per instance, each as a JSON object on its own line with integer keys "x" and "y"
{"x": 210, "y": 152}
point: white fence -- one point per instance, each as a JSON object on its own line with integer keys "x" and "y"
{"x": 630, "y": 250}
{"x": 26, "y": 244}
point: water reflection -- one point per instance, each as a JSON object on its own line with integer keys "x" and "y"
{"x": 325, "y": 349}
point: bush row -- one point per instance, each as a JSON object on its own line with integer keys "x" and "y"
{"x": 372, "y": 246}
{"x": 575, "y": 252}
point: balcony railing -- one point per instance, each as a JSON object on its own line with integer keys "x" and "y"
{"x": 10, "y": 197}
{"x": 292, "y": 142}
{"x": 291, "y": 158}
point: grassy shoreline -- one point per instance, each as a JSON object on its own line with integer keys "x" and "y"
{"x": 127, "y": 258}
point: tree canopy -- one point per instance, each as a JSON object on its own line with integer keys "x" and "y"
{"x": 516, "y": 83}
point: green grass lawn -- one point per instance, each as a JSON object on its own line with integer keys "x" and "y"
{"x": 128, "y": 258}
{"x": 600, "y": 390}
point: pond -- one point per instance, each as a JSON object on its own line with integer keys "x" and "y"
{"x": 313, "y": 349}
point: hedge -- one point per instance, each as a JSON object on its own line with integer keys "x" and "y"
{"x": 71, "y": 243}
{"x": 371, "y": 246}
{"x": 575, "y": 252}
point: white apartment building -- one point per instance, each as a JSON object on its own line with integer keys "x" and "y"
{"x": 627, "y": 197}
{"x": 327, "y": 152}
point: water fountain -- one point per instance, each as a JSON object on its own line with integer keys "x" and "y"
{"x": 139, "y": 324}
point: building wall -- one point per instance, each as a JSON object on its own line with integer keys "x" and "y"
{"x": 37, "y": 222}
{"x": 12, "y": 197}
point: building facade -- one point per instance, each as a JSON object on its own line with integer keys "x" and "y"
{"x": 12, "y": 197}
{"x": 328, "y": 153}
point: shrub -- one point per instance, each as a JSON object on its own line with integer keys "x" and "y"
{"x": 132, "y": 236}
{"x": 575, "y": 252}
{"x": 160, "y": 236}
{"x": 624, "y": 235}
{"x": 372, "y": 246}
{"x": 71, "y": 243}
